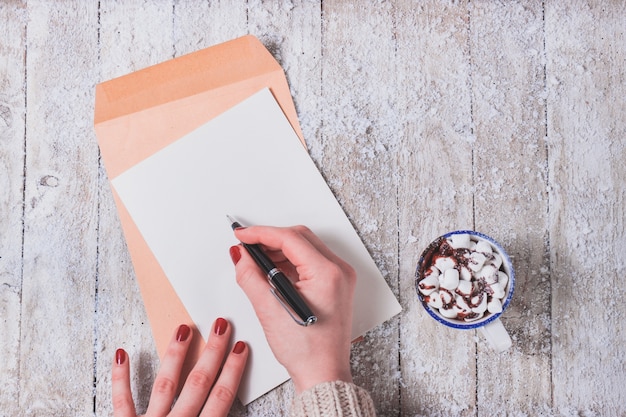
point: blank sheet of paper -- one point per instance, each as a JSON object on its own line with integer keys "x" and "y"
{"x": 247, "y": 162}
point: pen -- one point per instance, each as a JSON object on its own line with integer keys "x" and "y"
{"x": 291, "y": 300}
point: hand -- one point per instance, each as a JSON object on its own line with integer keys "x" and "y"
{"x": 313, "y": 354}
{"x": 204, "y": 380}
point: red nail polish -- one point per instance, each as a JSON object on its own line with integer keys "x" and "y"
{"x": 235, "y": 254}
{"x": 220, "y": 326}
{"x": 120, "y": 356}
{"x": 239, "y": 347}
{"x": 183, "y": 333}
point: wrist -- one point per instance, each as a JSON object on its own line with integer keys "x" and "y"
{"x": 308, "y": 380}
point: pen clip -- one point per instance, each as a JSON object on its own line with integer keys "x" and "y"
{"x": 311, "y": 320}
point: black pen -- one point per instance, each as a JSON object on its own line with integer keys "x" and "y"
{"x": 291, "y": 300}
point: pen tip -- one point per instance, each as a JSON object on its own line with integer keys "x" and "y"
{"x": 230, "y": 219}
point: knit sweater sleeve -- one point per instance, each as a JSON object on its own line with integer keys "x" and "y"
{"x": 333, "y": 399}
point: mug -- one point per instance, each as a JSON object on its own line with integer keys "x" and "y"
{"x": 465, "y": 280}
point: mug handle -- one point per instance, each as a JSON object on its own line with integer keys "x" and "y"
{"x": 497, "y": 336}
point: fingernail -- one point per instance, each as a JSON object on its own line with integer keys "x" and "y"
{"x": 120, "y": 356}
{"x": 183, "y": 333}
{"x": 235, "y": 254}
{"x": 239, "y": 347}
{"x": 220, "y": 326}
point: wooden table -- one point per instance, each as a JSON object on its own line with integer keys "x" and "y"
{"x": 424, "y": 117}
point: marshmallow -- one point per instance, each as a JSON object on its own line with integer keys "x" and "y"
{"x": 489, "y": 273}
{"x": 496, "y": 260}
{"x": 476, "y": 261}
{"x": 442, "y": 263}
{"x": 484, "y": 247}
{"x": 466, "y": 274}
{"x": 503, "y": 279}
{"x": 498, "y": 290}
{"x": 494, "y": 306}
{"x": 450, "y": 279}
{"x": 464, "y": 288}
{"x": 432, "y": 271}
{"x": 461, "y": 304}
{"x": 428, "y": 284}
{"x": 460, "y": 241}
{"x": 446, "y": 297}
{"x": 450, "y": 313}
{"x": 482, "y": 305}
{"x": 434, "y": 300}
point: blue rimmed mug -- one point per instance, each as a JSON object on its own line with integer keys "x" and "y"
{"x": 489, "y": 324}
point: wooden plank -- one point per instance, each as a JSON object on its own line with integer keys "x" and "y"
{"x": 292, "y": 33}
{"x": 12, "y": 114}
{"x": 61, "y": 212}
{"x": 132, "y": 36}
{"x": 199, "y": 24}
{"x": 586, "y": 52}
{"x": 510, "y": 201}
{"x": 356, "y": 154}
{"x": 435, "y": 197}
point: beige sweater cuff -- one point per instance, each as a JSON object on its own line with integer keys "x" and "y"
{"x": 333, "y": 399}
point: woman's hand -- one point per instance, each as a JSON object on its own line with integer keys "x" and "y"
{"x": 317, "y": 353}
{"x": 209, "y": 390}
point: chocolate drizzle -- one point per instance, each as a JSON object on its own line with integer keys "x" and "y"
{"x": 470, "y": 306}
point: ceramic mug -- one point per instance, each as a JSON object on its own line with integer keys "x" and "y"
{"x": 458, "y": 304}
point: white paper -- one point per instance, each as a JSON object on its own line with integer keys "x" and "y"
{"x": 249, "y": 163}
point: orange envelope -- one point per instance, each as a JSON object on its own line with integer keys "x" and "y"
{"x": 138, "y": 114}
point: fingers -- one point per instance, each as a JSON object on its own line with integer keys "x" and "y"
{"x": 123, "y": 405}
{"x": 202, "y": 379}
{"x": 225, "y": 389}
{"x": 302, "y": 248}
{"x": 319, "y": 272}
{"x": 204, "y": 374}
{"x": 166, "y": 381}
{"x": 254, "y": 283}
{"x": 298, "y": 244}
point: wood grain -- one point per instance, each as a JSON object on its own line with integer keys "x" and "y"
{"x": 510, "y": 170}
{"x": 12, "y": 154}
{"x": 435, "y": 197}
{"x": 60, "y": 218}
{"x": 586, "y": 53}
{"x": 423, "y": 117}
{"x": 358, "y": 134}
{"x": 125, "y": 46}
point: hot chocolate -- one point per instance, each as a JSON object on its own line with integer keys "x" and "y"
{"x": 463, "y": 278}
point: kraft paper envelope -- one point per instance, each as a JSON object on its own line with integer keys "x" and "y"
{"x": 175, "y": 182}
{"x": 140, "y": 113}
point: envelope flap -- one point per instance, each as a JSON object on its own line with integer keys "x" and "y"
{"x": 140, "y": 113}
{"x": 207, "y": 69}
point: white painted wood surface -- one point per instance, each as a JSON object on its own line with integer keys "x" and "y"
{"x": 424, "y": 117}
